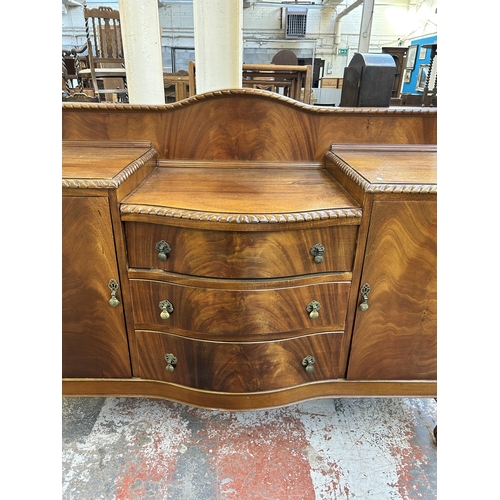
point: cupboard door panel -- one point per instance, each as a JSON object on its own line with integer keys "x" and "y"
{"x": 94, "y": 341}
{"x": 395, "y": 338}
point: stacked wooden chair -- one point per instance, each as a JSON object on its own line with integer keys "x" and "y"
{"x": 104, "y": 71}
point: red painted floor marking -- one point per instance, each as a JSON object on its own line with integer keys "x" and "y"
{"x": 261, "y": 455}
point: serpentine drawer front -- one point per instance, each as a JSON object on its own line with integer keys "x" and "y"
{"x": 240, "y": 278}
{"x": 240, "y": 254}
{"x": 238, "y": 366}
{"x": 245, "y": 310}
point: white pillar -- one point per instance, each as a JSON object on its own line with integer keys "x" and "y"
{"x": 141, "y": 36}
{"x": 366, "y": 27}
{"x": 218, "y": 44}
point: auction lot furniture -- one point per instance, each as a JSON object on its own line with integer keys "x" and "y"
{"x": 227, "y": 266}
{"x": 289, "y": 80}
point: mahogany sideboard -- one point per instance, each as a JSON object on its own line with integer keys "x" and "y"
{"x": 237, "y": 269}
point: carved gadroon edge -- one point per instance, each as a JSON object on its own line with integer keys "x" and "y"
{"x": 113, "y": 183}
{"x": 177, "y": 213}
{"x": 247, "y": 91}
{"x": 379, "y": 188}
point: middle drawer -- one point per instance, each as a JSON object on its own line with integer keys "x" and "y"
{"x": 241, "y": 254}
{"x": 224, "y": 309}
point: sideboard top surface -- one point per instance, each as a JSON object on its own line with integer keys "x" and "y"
{"x": 97, "y": 162}
{"x": 379, "y": 166}
{"x": 242, "y": 190}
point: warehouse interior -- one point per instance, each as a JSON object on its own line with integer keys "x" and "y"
{"x": 323, "y": 35}
{"x": 338, "y": 75}
{"x": 324, "y": 448}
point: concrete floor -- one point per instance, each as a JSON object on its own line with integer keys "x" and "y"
{"x": 352, "y": 449}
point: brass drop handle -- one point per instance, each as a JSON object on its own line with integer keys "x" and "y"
{"x": 163, "y": 249}
{"x": 365, "y": 290}
{"x": 171, "y": 362}
{"x": 317, "y": 251}
{"x": 312, "y": 308}
{"x": 166, "y": 308}
{"x": 113, "y": 286}
{"x": 308, "y": 363}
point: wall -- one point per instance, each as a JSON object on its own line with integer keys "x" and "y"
{"x": 395, "y": 22}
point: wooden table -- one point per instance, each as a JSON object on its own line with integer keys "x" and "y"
{"x": 181, "y": 82}
{"x": 292, "y": 79}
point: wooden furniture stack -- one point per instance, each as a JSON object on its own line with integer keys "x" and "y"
{"x": 289, "y": 80}
{"x": 227, "y": 280}
{"x": 331, "y": 83}
{"x": 399, "y": 56}
{"x": 105, "y": 72}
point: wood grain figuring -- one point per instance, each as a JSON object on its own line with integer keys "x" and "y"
{"x": 272, "y": 309}
{"x": 396, "y": 337}
{"x": 236, "y": 366}
{"x": 241, "y": 184}
{"x": 412, "y": 168}
{"x": 94, "y": 339}
{"x": 100, "y": 164}
{"x": 241, "y": 191}
{"x": 248, "y": 125}
{"x": 238, "y": 254}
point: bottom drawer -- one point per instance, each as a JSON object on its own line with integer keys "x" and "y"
{"x": 239, "y": 366}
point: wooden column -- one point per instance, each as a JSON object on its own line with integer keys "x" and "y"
{"x": 218, "y": 41}
{"x": 142, "y": 46}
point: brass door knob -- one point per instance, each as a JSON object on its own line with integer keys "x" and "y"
{"x": 171, "y": 360}
{"x": 166, "y": 308}
{"x": 317, "y": 251}
{"x": 308, "y": 363}
{"x": 163, "y": 249}
{"x": 365, "y": 290}
{"x": 113, "y": 286}
{"x": 312, "y": 308}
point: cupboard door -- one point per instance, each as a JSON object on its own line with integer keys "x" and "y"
{"x": 94, "y": 341}
{"x": 395, "y": 338}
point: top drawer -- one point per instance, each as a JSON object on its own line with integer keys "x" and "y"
{"x": 241, "y": 254}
